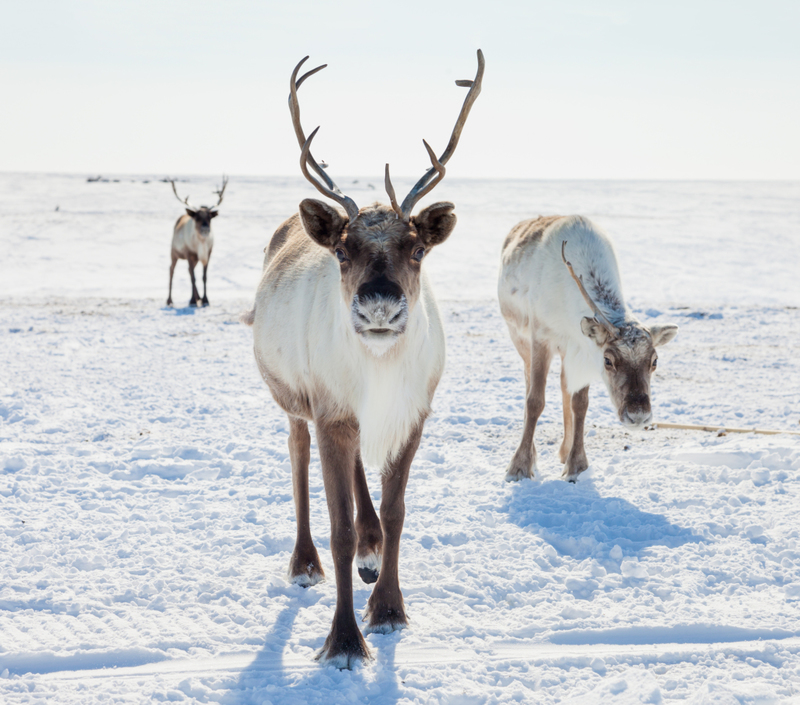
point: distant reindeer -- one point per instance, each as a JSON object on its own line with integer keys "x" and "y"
{"x": 548, "y": 308}
{"x": 193, "y": 241}
{"x": 347, "y": 335}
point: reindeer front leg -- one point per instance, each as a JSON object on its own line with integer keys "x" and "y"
{"x": 174, "y": 257}
{"x": 385, "y": 610}
{"x": 576, "y": 458}
{"x": 305, "y": 567}
{"x": 338, "y": 445}
{"x": 192, "y": 259}
{"x": 523, "y": 464}
{"x": 205, "y": 271}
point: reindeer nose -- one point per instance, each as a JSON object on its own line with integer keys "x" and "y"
{"x": 637, "y": 410}
{"x": 379, "y": 288}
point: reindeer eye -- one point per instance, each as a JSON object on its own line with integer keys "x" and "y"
{"x": 608, "y": 362}
{"x": 655, "y": 362}
{"x": 340, "y": 255}
{"x": 419, "y": 253}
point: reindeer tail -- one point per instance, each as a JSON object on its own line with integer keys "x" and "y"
{"x": 248, "y": 317}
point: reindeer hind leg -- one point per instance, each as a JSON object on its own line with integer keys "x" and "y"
{"x": 368, "y": 527}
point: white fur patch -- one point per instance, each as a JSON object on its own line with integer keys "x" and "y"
{"x": 372, "y": 561}
{"x": 305, "y": 580}
{"x": 340, "y": 661}
{"x": 385, "y": 628}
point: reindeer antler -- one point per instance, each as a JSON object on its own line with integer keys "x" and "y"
{"x": 435, "y": 174}
{"x": 327, "y": 188}
{"x": 185, "y": 201}
{"x": 221, "y": 192}
{"x": 600, "y": 317}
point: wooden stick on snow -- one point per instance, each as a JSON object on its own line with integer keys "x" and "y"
{"x": 727, "y": 429}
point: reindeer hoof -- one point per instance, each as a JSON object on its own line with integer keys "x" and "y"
{"x": 519, "y": 471}
{"x": 305, "y": 570}
{"x": 383, "y": 620}
{"x": 343, "y": 650}
{"x": 369, "y": 566}
{"x": 193, "y": 304}
{"x": 368, "y": 575}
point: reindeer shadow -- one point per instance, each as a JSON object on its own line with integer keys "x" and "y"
{"x": 578, "y": 522}
{"x": 268, "y": 676}
{"x": 180, "y": 310}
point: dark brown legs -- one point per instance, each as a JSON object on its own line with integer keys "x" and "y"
{"x": 385, "y": 609}
{"x": 205, "y": 270}
{"x": 566, "y": 398}
{"x": 338, "y": 448}
{"x": 576, "y": 461}
{"x": 375, "y": 542}
{"x": 305, "y": 567}
{"x": 192, "y": 259}
{"x": 368, "y": 527}
{"x": 523, "y": 464}
{"x": 171, "y": 272}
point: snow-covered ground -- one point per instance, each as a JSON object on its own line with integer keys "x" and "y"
{"x": 146, "y": 517}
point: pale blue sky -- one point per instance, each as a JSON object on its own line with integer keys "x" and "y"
{"x": 615, "y": 89}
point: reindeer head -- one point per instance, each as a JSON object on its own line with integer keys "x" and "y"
{"x": 380, "y": 258}
{"x": 379, "y": 249}
{"x": 202, "y": 216}
{"x": 629, "y": 357}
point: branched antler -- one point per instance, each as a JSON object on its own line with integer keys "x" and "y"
{"x": 185, "y": 201}
{"x": 327, "y": 187}
{"x": 600, "y": 317}
{"x": 221, "y": 192}
{"x": 435, "y": 174}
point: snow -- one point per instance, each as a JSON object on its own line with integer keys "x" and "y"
{"x": 147, "y": 516}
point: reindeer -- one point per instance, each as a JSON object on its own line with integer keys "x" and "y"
{"x": 545, "y": 305}
{"x": 347, "y": 335}
{"x": 193, "y": 241}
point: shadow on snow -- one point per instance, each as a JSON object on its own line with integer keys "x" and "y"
{"x": 269, "y": 678}
{"x": 580, "y": 523}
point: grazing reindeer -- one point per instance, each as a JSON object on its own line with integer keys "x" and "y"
{"x": 347, "y": 335}
{"x": 546, "y": 312}
{"x": 193, "y": 241}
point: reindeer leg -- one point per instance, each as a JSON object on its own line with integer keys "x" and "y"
{"x": 338, "y": 445}
{"x": 205, "y": 270}
{"x": 171, "y": 272}
{"x": 192, "y": 259}
{"x": 566, "y": 398}
{"x": 305, "y": 567}
{"x": 576, "y": 459}
{"x": 368, "y": 527}
{"x": 385, "y": 610}
{"x": 523, "y": 464}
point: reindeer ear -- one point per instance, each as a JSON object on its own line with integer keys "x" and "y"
{"x": 661, "y": 335}
{"x": 594, "y": 330}
{"x": 213, "y": 214}
{"x": 191, "y": 213}
{"x": 435, "y": 223}
{"x": 322, "y": 223}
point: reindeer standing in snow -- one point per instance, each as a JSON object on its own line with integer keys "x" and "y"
{"x": 193, "y": 241}
{"x": 548, "y": 308}
{"x": 347, "y": 335}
